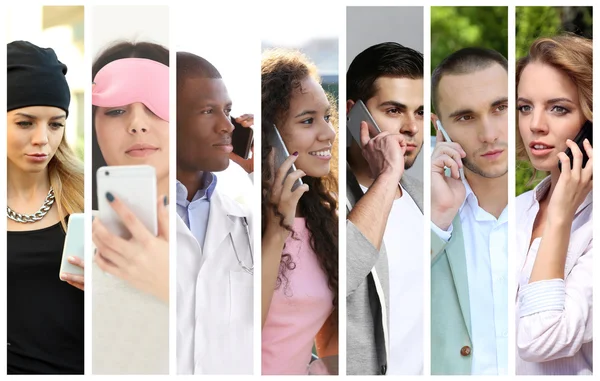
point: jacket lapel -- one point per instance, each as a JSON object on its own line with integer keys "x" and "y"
{"x": 455, "y": 252}
{"x": 414, "y": 189}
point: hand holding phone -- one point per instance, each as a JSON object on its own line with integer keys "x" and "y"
{"x": 74, "y": 248}
{"x": 586, "y": 132}
{"x": 383, "y": 151}
{"x": 281, "y": 154}
{"x": 447, "y": 192}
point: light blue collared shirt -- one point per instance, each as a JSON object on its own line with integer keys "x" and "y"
{"x": 195, "y": 213}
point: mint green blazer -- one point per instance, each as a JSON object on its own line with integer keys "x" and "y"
{"x": 451, "y": 346}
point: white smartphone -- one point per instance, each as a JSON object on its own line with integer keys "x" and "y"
{"x": 135, "y": 186}
{"x": 74, "y": 245}
{"x": 281, "y": 154}
{"x": 447, "y": 138}
{"x": 359, "y": 113}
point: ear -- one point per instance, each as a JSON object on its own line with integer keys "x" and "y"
{"x": 349, "y": 104}
{"x": 434, "y": 119}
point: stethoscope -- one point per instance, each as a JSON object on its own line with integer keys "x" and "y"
{"x": 249, "y": 270}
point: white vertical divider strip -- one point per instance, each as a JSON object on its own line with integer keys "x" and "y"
{"x": 171, "y": 19}
{"x": 427, "y": 189}
{"x": 254, "y": 13}
{"x": 88, "y": 192}
{"x": 341, "y": 142}
{"x": 512, "y": 169}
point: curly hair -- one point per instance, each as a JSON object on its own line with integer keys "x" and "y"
{"x": 281, "y": 74}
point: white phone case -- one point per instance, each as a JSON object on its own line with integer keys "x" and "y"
{"x": 74, "y": 244}
{"x": 135, "y": 186}
{"x": 359, "y": 113}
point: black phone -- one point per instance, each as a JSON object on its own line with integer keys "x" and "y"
{"x": 241, "y": 139}
{"x": 584, "y": 133}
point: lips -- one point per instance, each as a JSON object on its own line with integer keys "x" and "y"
{"x": 141, "y": 147}
{"x": 493, "y": 152}
{"x": 540, "y": 145}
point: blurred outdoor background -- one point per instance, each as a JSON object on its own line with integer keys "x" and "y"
{"x": 59, "y": 28}
{"x": 534, "y": 22}
{"x": 454, "y": 28}
{"x": 320, "y": 45}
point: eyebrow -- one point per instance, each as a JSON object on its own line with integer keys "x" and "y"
{"x": 312, "y": 112}
{"x": 35, "y": 117}
{"x": 399, "y": 105}
{"x": 549, "y": 101}
{"x": 497, "y": 102}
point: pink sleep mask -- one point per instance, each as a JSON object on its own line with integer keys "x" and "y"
{"x": 130, "y": 80}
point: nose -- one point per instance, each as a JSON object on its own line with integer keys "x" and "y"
{"x": 40, "y": 135}
{"x": 409, "y": 126}
{"x": 489, "y": 130}
{"x": 327, "y": 133}
{"x": 224, "y": 125}
{"x": 140, "y": 119}
{"x": 538, "y": 123}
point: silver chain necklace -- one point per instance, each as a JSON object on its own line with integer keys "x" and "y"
{"x": 30, "y": 218}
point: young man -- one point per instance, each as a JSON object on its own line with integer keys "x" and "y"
{"x": 385, "y": 218}
{"x": 469, "y": 310}
{"x": 215, "y": 258}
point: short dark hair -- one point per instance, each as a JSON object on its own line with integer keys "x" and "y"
{"x": 388, "y": 59}
{"x": 464, "y": 61}
{"x": 190, "y": 65}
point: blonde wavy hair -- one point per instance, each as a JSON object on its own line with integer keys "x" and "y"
{"x": 572, "y": 55}
{"x": 65, "y": 172}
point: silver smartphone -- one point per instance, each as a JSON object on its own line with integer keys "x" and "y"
{"x": 135, "y": 186}
{"x": 359, "y": 113}
{"x": 447, "y": 138}
{"x": 74, "y": 244}
{"x": 281, "y": 154}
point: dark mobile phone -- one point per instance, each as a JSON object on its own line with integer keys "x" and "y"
{"x": 241, "y": 139}
{"x": 584, "y": 133}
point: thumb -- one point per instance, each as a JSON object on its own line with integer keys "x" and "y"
{"x": 163, "y": 217}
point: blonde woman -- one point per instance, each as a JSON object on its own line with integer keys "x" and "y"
{"x": 44, "y": 186}
{"x": 554, "y": 221}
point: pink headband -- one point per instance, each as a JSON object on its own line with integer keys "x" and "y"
{"x": 130, "y": 80}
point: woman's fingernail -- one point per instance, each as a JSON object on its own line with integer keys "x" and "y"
{"x": 110, "y": 197}
{"x": 166, "y": 200}
{"x": 295, "y": 153}
{"x": 64, "y": 276}
{"x": 71, "y": 259}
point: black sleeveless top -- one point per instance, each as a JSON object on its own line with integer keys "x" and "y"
{"x": 45, "y": 315}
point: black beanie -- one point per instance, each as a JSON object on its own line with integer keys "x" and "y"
{"x": 35, "y": 77}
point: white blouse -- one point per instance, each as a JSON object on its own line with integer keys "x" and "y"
{"x": 554, "y": 317}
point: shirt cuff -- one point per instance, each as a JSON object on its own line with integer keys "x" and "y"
{"x": 443, "y": 234}
{"x": 541, "y": 296}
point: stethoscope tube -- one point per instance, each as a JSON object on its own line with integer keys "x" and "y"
{"x": 249, "y": 270}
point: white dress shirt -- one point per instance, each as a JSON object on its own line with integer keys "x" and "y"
{"x": 554, "y": 317}
{"x": 486, "y": 252}
{"x": 403, "y": 239}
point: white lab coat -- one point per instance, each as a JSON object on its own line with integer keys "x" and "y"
{"x": 214, "y": 293}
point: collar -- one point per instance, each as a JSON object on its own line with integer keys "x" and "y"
{"x": 208, "y": 183}
{"x": 543, "y": 188}
{"x": 478, "y": 212}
